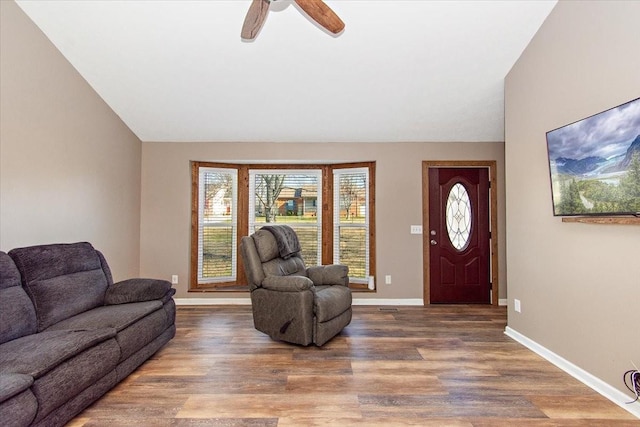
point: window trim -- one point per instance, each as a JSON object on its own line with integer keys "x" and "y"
{"x": 239, "y": 285}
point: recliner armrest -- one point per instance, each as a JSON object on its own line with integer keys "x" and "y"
{"x": 138, "y": 290}
{"x": 335, "y": 274}
{"x": 287, "y": 283}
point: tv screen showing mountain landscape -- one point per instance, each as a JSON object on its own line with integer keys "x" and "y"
{"x": 595, "y": 163}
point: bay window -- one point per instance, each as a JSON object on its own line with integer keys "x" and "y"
{"x": 330, "y": 206}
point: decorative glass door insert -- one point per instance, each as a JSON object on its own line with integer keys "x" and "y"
{"x": 459, "y": 218}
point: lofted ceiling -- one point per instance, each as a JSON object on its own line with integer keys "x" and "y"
{"x": 416, "y": 70}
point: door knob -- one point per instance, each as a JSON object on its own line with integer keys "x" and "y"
{"x": 433, "y": 242}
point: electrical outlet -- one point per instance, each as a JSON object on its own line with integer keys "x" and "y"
{"x": 416, "y": 229}
{"x": 516, "y": 306}
{"x": 174, "y": 279}
{"x": 387, "y": 279}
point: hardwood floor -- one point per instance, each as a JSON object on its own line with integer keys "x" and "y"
{"x": 404, "y": 366}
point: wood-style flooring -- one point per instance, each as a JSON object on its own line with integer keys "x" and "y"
{"x": 403, "y": 366}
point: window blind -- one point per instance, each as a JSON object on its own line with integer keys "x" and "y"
{"x": 217, "y": 225}
{"x": 351, "y": 221}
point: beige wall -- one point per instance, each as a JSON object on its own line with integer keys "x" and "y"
{"x": 579, "y": 284}
{"x": 166, "y": 201}
{"x": 69, "y": 167}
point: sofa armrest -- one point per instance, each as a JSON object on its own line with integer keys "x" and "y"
{"x": 287, "y": 283}
{"x": 13, "y": 384}
{"x": 335, "y": 274}
{"x": 138, "y": 290}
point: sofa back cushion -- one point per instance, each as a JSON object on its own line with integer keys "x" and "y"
{"x": 17, "y": 315}
{"x": 261, "y": 258}
{"x": 62, "y": 280}
{"x": 266, "y": 245}
{"x": 272, "y": 263}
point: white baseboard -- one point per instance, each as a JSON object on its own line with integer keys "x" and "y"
{"x": 503, "y": 302}
{"x": 356, "y": 301}
{"x": 247, "y": 301}
{"x": 388, "y": 301}
{"x": 212, "y": 301}
{"x": 606, "y": 390}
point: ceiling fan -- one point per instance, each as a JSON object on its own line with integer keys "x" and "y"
{"x": 316, "y": 9}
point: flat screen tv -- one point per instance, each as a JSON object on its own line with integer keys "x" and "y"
{"x": 595, "y": 163}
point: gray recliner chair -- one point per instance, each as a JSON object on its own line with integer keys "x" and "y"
{"x": 291, "y": 302}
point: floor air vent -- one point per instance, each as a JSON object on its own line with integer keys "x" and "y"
{"x": 387, "y": 309}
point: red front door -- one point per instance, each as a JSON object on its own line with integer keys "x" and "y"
{"x": 459, "y": 235}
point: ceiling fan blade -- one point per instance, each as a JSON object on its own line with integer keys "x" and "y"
{"x": 256, "y": 15}
{"x": 322, "y": 14}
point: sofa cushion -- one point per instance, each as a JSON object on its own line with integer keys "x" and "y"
{"x": 266, "y": 245}
{"x": 287, "y": 283}
{"x": 37, "y": 354}
{"x": 17, "y": 315}
{"x": 137, "y": 323}
{"x": 67, "y": 380}
{"x": 9, "y": 274}
{"x": 142, "y": 332}
{"x": 293, "y": 266}
{"x": 105, "y": 268}
{"x": 118, "y": 316}
{"x": 61, "y": 279}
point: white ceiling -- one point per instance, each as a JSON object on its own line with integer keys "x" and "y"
{"x": 412, "y": 70}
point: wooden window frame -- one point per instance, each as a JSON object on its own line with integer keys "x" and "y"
{"x": 239, "y": 285}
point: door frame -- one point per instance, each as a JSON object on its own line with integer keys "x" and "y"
{"x": 493, "y": 215}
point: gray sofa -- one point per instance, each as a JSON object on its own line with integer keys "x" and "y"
{"x": 68, "y": 334}
{"x": 291, "y": 302}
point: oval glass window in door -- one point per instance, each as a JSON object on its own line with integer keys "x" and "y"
{"x": 458, "y": 213}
